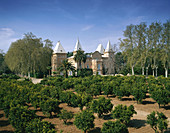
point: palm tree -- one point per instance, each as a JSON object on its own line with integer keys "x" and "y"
{"x": 80, "y": 57}
{"x": 66, "y": 66}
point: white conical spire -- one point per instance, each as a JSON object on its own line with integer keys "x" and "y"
{"x": 78, "y": 46}
{"x": 108, "y": 47}
{"x": 100, "y": 49}
{"x": 59, "y": 48}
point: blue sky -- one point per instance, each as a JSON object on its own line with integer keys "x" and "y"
{"x": 92, "y": 21}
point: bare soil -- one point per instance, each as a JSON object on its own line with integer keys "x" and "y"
{"x": 137, "y": 124}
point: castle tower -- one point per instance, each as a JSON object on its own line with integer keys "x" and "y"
{"x": 59, "y": 54}
{"x": 77, "y": 47}
{"x": 110, "y": 61}
{"x": 100, "y": 49}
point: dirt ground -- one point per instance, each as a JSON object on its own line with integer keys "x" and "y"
{"x": 137, "y": 124}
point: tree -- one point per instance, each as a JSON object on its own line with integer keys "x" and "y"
{"x": 29, "y": 55}
{"x": 3, "y": 66}
{"x": 65, "y": 115}
{"x": 114, "y": 127}
{"x": 80, "y": 57}
{"x": 161, "y": 95}
{"x": 157, "y": 120}
{"x": 154, "y": 32}
{"x": 102, "y": 105}
{"x": 140, "y": 33}
{"x": 123, "y": 113}
{"x": 38, "y": 126}
{"x": 66, "y": 66}
{"x": 50, "y": 105}
{"x": 19, "y": 117}
{"x": 128, "y": 46}
{"x": 165, "y": 49}
{"x": 49, "y": 68}
{"x": 84, "y": 120}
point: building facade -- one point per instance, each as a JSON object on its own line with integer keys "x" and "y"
{"x": 101, "y": 61}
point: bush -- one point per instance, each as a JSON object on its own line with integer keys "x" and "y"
{"x": 123, "y": 113}
{"x": 157, "y": 120}
{"x": 50, "y": 105}
{"x": 102, "y": 105}
{"x": 20, "y": 116}
{"x": 38, "y": 126}
{"x": 65, "y": 115}
{"x": 114, "y": 127}
{"x": 84, "y": 120}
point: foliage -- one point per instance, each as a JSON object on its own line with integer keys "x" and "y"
{"x": 65, "y": 67}
{"x": 84, "y": 120}
{"x": 114, "y": 127}
{"x": 123, "y": 113}
{"x": 102, "y": 105}
{"x": 19, "y": 117}
{"x": 38, "y": 126}
{"x": 80, "y": 57}
{"x": 50, "y": 105}
{"x": 65, "y": 115}
{"x": 29, "y": 55}
{"x": 157, "y": 120}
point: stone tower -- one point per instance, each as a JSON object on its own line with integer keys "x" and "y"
{"x": 109, "y": 63}
{"x": 59, "y": 54}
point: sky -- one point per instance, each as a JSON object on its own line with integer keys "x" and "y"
{"x": 92, "y": 21}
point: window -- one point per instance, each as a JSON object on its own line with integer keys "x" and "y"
{"x": 98, "y": 66}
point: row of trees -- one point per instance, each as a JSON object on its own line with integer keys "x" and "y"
{"x": 147, "y": 46}
{"x": 29, "y": 55}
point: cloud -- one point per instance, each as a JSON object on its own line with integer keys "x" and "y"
{"x": 88, "y": 27}
{"x": 6, "y": 37}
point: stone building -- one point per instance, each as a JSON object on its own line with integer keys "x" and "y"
{"x": 101, "y": 61}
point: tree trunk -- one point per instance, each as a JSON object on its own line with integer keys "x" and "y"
{"x": 153, "y": 72}
{"x": 132, "y": 70}
{"x": 143, "y": 73}
{"x": 146, "y": 71}
{"x": 29, "y": 75}
{"x": 166, "y": 72}
{"x": 49, "y": 72}
{"x": 156, "y": 71}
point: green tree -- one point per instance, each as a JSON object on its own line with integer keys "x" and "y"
{"x": 123, "y": 113}
{"x": 50, "y": 105}
{"x": 102, "y": 105}
{"x": 157, "y": 120}
{"x": 165, "y": 49}
{"x": 80, "y": 57}
{"x": 84, "y": 120}
{"x": 128, "y": 46}
{"x": 29, "y": 55}
{"x": 114, "y": 127}
{"x": 20, "y": 116}
{"x": 66, "y": 66}
{"x": 38, "y": 126}
{"x": 49, "y": 69}
{"x": 65, "y": 115}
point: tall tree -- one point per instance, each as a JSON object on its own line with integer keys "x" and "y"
{"x": 66, "y": 66}
{"x": 141, "y": 44}
{"x": 29, "y": 55}
{"x": 80, "y": 57}
{"x": 128, "y": 45}
{"x": 154, "y": 42}
{"x": 165, "y": 48}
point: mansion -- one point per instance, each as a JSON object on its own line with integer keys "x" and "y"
{"x": 100, "y": 61}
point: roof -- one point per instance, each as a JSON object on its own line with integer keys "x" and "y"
{"x": 59, "y": 48}
{"x": 108, "y": 47}
{"x": 100, "y": 49}
{"x": 78, "y": 46}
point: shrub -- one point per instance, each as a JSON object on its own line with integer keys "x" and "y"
{"x": 123, "y": 113}
{"x": 84, "y": 120}
{"x": 114, "y": 127}
{"x": 157, "y": 120}
{"x": 65, "y": 115}
{"x": 102, "y": 105}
